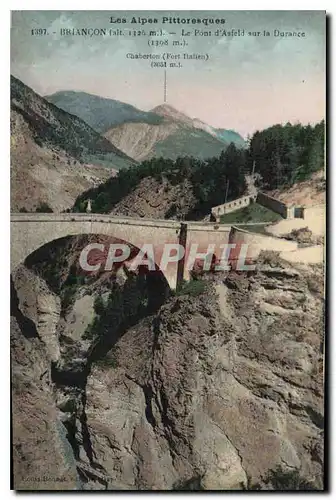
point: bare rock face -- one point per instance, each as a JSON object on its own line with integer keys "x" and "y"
{"x": 41, "y": 306}
{"x": 216, "y": 399}
{"x": 48, "y": 175}
{"x": 42, "y": 455}
{"x": 219, "y": 391}
{"x": 152, "y": 198}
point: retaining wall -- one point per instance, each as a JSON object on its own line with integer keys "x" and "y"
{"x": 233, "y": 205}
{"x": 287, "y": 212}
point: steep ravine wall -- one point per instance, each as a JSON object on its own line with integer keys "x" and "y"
{"x": 215, "y": 391}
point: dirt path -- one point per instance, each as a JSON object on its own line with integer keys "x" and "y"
{"x": 308, "y": 255}
{"x": 314, "y": 220}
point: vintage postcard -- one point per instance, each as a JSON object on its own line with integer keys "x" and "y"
{"x": 168, "y": 199}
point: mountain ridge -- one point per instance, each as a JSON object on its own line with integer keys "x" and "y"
{"x": 177, "y": 135}
{"x": 57, "y": 127}
{"x": 101, "y": 113}
{"x": 54, "y": 155}
{"x": 169, "y": 112}
{"x": 145, "y": 134}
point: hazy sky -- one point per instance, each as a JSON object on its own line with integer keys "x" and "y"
{"x": 248, "y": 83}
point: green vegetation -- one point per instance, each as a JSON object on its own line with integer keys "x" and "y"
{"x": 108, "y": 361}
{"x": 70, "y": 286}
{"x": 208, "y": 178}
{"x": 255, "y": 228}
{"x": 67, "y": 296}
{"x": 289, "y": 480}
{"x": 286, "y": 154}
{"x": 193, "y": 484}
{"x": 99, "y": 112}
{"x": 44, "y": 208}
{"x": 194, "y": 288}
{"x": 120, "y": 307}
{"x": 251, "y": 213}
{"x": 229, "y": 136}
{"x": 198, "y": 144}
{"x": 282, "y": 155}
{"x": 74, "y": 280}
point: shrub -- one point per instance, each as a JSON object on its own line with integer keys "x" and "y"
{"x": 194, "y": 288}
{"x": 44, "y": 208}
{"x": 75, "y": 280}
{"x": 99, "y": 305}
{"x": 284, "y": 480}
{"x": 67, "y": 296}
{"x": 270, "y": 258}
{"x": 109, "y": 361}
{"x": 191, "y": 484}
{"x": 92, "y": 329}
{"x": 70, "y": 288}
{"x": 289, "y": 480}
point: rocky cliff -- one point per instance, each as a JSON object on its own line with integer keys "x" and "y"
{"x": 54, "y": 155}
{"x": 221, "y": 389}
{"x": 48, "y": 176}
{"x": 160, "y": 200}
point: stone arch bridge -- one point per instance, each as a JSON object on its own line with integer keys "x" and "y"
{"x": 31, "y": 231}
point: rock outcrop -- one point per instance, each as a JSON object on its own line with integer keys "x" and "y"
{"x": 159, "y": 200}
{"x": 220, "y": 390}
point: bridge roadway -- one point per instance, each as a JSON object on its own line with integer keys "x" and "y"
{"x": 30, "y": 231}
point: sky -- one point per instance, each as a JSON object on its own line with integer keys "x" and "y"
{"x": 248, "y": 82}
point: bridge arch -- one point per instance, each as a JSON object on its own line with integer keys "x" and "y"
{"x": 30, "y": 233}
{"x": 138, "y": 296}
{"x": 57, "y": 246}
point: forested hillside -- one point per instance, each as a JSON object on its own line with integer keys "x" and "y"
{"x": 208, "y": 179}
{"x": 282, "y": 155}
{"x": 287, "y": 154}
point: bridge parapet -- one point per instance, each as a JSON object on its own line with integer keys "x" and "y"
{"x": 30, "y": 231}
{"x": 103, "y": 218}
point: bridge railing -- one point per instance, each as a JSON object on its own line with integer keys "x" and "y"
{"x": 82, "y": 217}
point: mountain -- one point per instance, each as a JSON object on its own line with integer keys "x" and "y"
{"x": 59, "y": 129}
{"x": 176, "y": 135}
{"x": 227, "y": 136}
{"x": 168, "y": 112}
{"x": 99, "y": 112}
{"x": 54, "y": 155}
{"x": 163, "y": 131}
{"x": 230, "y": 136}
